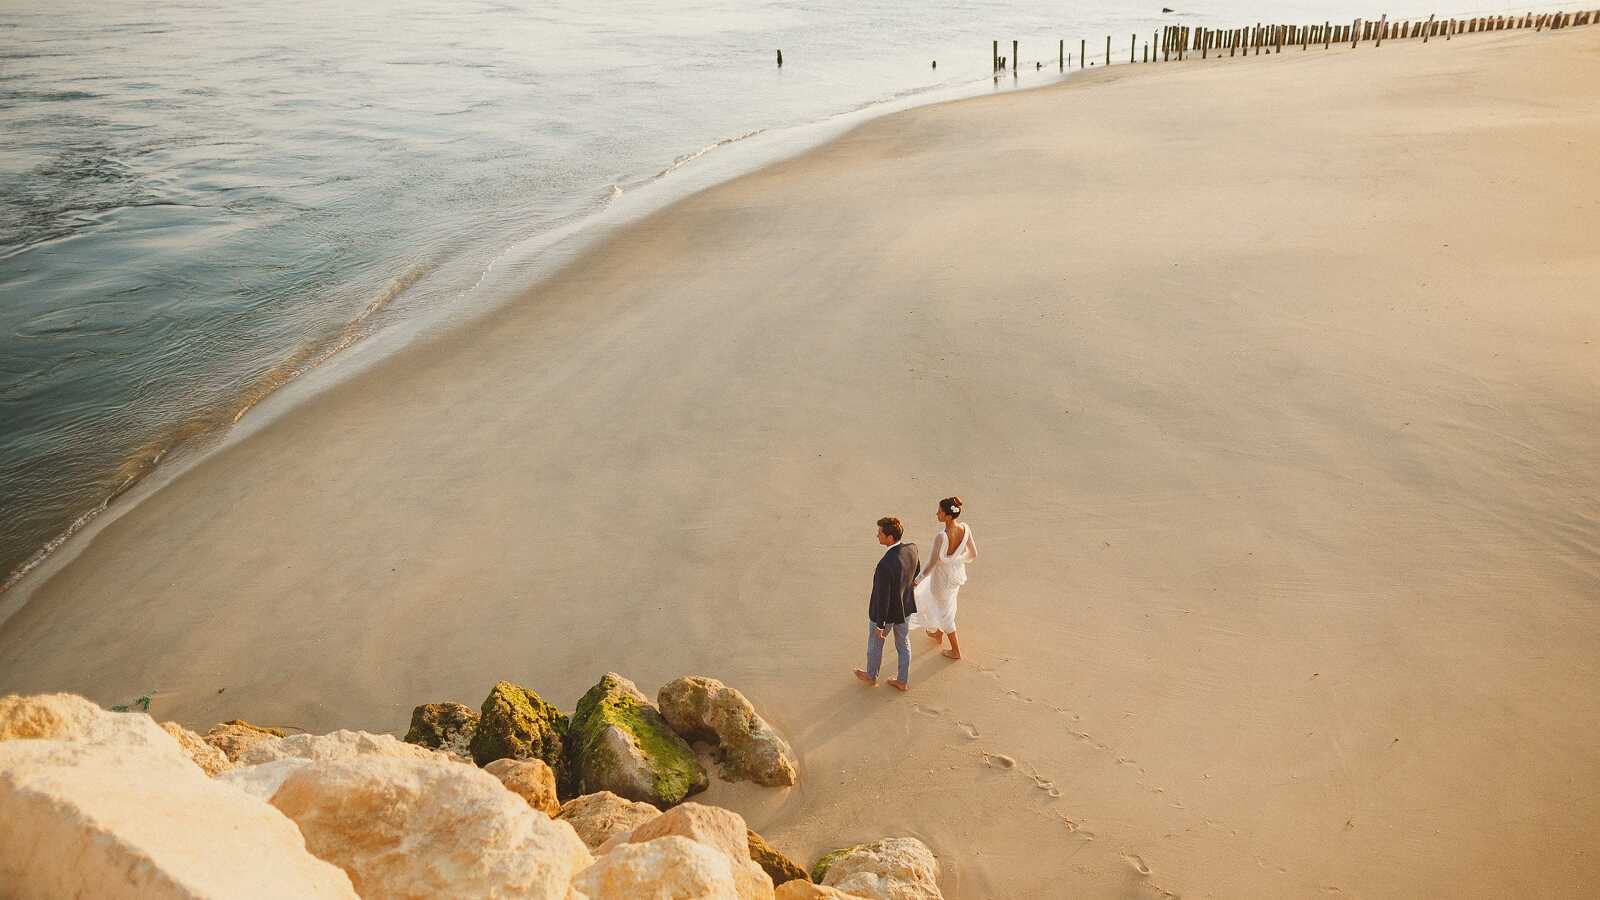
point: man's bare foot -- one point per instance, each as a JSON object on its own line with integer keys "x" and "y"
{"x": 871, "y": 682}
{"x": 899, "y": 685}
{"x": 951, "y": 654}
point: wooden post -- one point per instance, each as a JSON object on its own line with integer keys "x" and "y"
{"x": 1081, "y": 45}
{"x": 1016, "y": 66}
{"x": 1382, "y": 23}
{"x": 1108, "y": 62}
{"x": 1327, "y": 39}
{"x": 1145, "y": 56}
{"x": 1133, "y": 44}
{"x": 1061, "y": 54}
{"x": 994, "y": 57}
{"x": 780, "y": 59}
{"x": 1425, "y": 31}
{"x": 1204, "y": 47}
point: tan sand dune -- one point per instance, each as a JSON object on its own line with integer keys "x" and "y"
{"x": 1272, "y": 387}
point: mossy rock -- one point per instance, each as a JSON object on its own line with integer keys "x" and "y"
{"x": 618, "y": 742}
{"x": 443, "y": 726}
{"x": 772, "y": 861}
{"x": 515, "y": 723}
{"x": 820, "y": 870}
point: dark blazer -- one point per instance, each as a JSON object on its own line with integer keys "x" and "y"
{"x": 892, "y": 584}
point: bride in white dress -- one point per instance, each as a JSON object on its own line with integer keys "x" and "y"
{"x": 943, "y": 576}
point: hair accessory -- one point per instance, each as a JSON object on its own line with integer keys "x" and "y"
{"x": 955, "y": 510}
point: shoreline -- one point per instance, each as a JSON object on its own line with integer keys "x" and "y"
{"x": 1205, "y": 456}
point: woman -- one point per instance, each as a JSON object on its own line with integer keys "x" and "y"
{"x": 943, "y": 576}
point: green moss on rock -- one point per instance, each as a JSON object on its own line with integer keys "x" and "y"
{"x": 820, "y": 870}
{"x": 619, "y": 742}
{"x": 516, "y": 723}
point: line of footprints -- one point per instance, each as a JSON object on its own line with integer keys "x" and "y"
{"x": 997, "y": 760}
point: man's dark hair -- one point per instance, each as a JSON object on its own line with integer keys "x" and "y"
{"x": 891, "y": 526}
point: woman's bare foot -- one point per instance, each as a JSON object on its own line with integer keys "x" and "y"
{"x": 951, "y": 654}
{"x": 871, "y": 682}
{"x": 899, "y": 685}
{"x": 935, "y": 634}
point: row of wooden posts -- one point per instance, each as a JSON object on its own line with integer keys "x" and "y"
{"x": 1178, "y": 41}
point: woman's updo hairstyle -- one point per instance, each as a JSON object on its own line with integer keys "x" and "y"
{"x": 951, "y": 506}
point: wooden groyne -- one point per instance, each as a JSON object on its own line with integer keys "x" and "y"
{"x": 1178, "y": 42}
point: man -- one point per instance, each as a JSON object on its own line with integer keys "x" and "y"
{"x": 891, "y": 603}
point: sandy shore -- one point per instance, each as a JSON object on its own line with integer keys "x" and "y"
{"x": 1272, "y": 387}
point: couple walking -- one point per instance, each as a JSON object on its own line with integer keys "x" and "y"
{"x": 905, "y": 596}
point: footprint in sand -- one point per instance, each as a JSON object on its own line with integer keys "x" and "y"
{"x": 968, "y": 729}
{"x": 998, "y": 759}
{"x": 1137, "y": 863}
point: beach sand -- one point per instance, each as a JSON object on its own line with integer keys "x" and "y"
{"x": 1273, "y": 390}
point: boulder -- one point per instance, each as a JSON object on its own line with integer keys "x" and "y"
{"x": 600, "y": 816}
{"x": 419, "y": 828}
{"x": 620, "y": 743}
{"x": 107, "y": 821}
{"x": 890, "y": 869}
{"x": 666, "y": 868}
{"x": 210, "y": 760}
{"x": 705, "y": 709}
{"x": 805, "y": 890}
{"x": 722, "y": 830}
{"x": 68, "y": 717}
{"x": 781, "y": 869}
{"x": 235, "y": 736}
{"x": 339, "y": 745}
{"x": 529, "y": 779}
{"x": 443, "y": 726}
{"x": 517, "y": 724}
{"x": 264, "y": 780}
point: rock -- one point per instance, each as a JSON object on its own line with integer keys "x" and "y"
{"x": 890, "y": 869}
{"x": 234, "y": 737}
{"x": 805, "y": 890}
{"x": 620, "y": 743}
{"x": 517, "y": 724}
{"x": 666, "y": 868}
{"x": 68, "y": 717}
{"x": 600, "y": 816}
{"x": 340, "y": 745}
{"x": 706, "y": 709}
{"x": 107, "y": 821}
{"x": 720, "y": 829}
{"x": 443, "y": 726}
{"x": 781, "y": 869}
{"x": 420, "y": 828}
{"x": 529, "y": 779}
{"x": 210, "y": 760}
{"x": 264, "y": 780}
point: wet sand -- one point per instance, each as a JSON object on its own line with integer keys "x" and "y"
{"x": 1273, "y": 390}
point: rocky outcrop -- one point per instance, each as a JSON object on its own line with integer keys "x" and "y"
{"x": 668, "y": 867}
{"x": 890, "y": 869}
{"x": 119, "y": 821}
{"x": 721, "y": 829}
{"x": 236, "y": 736}
{"x": 339, "y": 745}
{"x": 705, "y": 709}
{"x": 529, "y": 779}
{"x": 781, "y": 869}
{"x": 620, "y": 743}
{"x": 443, "y": 726}
{"x": 805, "y": 890}
{"x": 208, "y": 758}
{"x": 418, "y": 828}
{"x": 68, "y": 717}
{"x": 516, "y": 723}
{"x": 600, "y": 816}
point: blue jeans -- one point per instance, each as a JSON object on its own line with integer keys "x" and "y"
{"x": 902, "y": 647}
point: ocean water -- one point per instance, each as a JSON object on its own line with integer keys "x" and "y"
{"x": 201, "y": 201}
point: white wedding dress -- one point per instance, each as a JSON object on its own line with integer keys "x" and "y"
{"x": 947, "y": 572}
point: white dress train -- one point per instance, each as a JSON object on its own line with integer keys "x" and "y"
{"x": 947, "y": 572}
